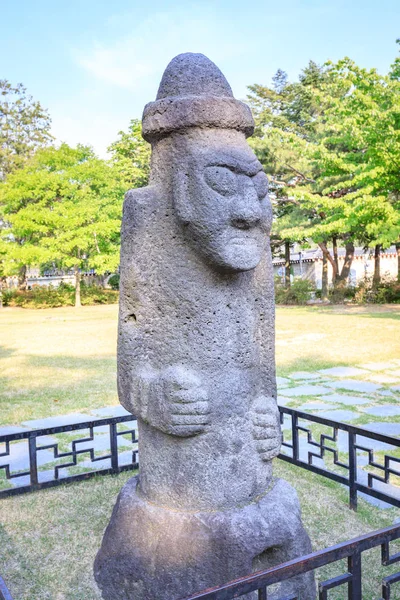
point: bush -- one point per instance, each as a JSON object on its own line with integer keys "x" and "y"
{"x": 342, "y": 293}
{"x": 64, "y": 295}
{"x": 113, "y": 281}
{"x": 299, "y": 292}
{"x": 387, "y": 292}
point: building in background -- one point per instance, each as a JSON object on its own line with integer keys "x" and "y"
{"x": 307, "y": 264}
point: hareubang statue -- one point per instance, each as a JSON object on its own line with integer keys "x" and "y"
{"x": 196, "y": 357}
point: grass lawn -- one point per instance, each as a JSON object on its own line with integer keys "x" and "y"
{"x": 48, "y": 539}
{"x": 63, "y": 360}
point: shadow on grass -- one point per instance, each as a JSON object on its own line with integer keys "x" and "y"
{"x": 70, "y": 362}
{"x": 383, "y": 315}
{"x": 314, "y": 362}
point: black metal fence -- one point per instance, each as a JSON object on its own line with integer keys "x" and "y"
{"x": 351, "y": 550}
{"x": 362, "y": 460}
{"x": 35, "y": 459}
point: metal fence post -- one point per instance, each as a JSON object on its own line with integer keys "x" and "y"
{"x": 33, "y": 460}
{"x": 295, "y": 437}
{"x": 114, "y": 446}
{"x": 355, "y": 585}
{"x": 352, "y": 472}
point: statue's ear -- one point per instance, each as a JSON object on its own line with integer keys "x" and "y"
{"x": 181, "y": 195}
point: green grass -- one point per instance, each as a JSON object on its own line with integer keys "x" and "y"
{"x": 310, "y": 338}
{"x": 56, "y": 361}
{"x": 63, "y": 360}
{"x": 49, "y": 539}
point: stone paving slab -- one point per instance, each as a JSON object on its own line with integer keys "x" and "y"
{"x": 124, "y": 458}
{"x": 283, "y": 401}
{"x": 59, "y": 420}
{"x": 392, "y": 429}
{"x": 304, "y": 375}
{"x": 361, "y": 440}
{"x": 18, "y": 459}
{"x": 101, "y": 443}
{"x": 306, "y": 390}
{"x": 8, "y": 430}
{"x": 344, "y": 399}
{"x": 354, "y": 385}
{"x": 387, "y": 488}
{"x": 339, "y": 415}
{"x": 383, "y": 410}
{"x": 344, "y": 372}
{"x": 111, "y": 411}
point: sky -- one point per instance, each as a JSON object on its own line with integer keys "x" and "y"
{"x": 94, "y": 64}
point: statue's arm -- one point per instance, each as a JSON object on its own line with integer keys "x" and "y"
{"x": 173, "y": 400}
{"x": 266, "y": 426}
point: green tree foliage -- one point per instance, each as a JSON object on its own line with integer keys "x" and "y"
{"x": 286, "y": 122}
{"x": 332, "y": 140}
{"x": 24, "y": 127}
{"x": 131, "y": 156}
{"x": 64, "y": 206}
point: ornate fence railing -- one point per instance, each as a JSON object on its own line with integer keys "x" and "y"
{"x": 40, "y": 458}
{"x": 351, "y": 550}
{"x": 364, "y": 461}
{"x": 360, "y": 459}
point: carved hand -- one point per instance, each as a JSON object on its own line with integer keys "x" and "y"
{"x": 180, "y": 403}
{"x": 266, "y": 427}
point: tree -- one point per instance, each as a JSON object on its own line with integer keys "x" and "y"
{"x": 130, "y": 154}
{"x": 333, "y": 139}
{"x": 64, "y": 206}
{"x": 285, "y": 123}
{"x": 24, "y": 127}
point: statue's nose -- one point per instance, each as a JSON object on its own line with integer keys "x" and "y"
{"x": 246, "y": 212}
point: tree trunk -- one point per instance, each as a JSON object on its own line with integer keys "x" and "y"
{"x": 327, "y": 254}
{"x": 324, "y": 290}
{"x": 398, "y": 260}
{"x": 287, "y": 265}
{"x": 77, "y": 286}
{"x": 22, "y": 278}
{"x": 336, "y": 260}
{"x": 377, "y": 266}
{"x": 348, "y": 259}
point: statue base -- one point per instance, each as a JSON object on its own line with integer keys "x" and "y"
{"x": 154, "y": 553}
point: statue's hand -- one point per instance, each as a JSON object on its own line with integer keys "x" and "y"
{"x": 181, "y": 405}
{"x": 266, "y": 427}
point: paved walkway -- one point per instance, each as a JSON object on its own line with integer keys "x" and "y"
{"x": 364, "y": 395}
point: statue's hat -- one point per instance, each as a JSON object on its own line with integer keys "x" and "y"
{"x": 194, "y": 93}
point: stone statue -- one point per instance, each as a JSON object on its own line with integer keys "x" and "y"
{"x": 196, "y": 357}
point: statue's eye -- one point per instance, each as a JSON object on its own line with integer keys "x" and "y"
{"x": 222, "y": 180}
{"x": 260, "y": 182}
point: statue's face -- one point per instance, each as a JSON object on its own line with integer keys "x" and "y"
{"x": 224, "y": 203}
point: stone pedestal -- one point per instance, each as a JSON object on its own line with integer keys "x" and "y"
{"x": 155, "y": 553}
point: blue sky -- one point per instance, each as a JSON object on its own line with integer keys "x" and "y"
{"x": 95, "y": 63}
